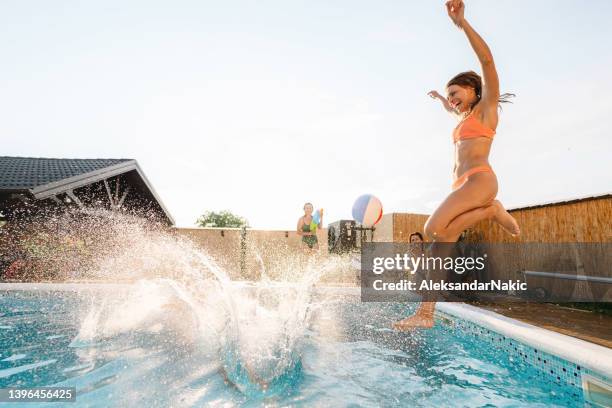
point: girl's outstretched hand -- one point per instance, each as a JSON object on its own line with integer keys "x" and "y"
{"x": 435, "y": 94}
{"x": 455, "y": 9}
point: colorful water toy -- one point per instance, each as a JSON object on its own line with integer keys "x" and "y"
{"x": 367, "y": 210}
{"x": 316, "y": 220}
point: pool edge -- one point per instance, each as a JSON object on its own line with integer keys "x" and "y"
{"x": 589, "y": 355}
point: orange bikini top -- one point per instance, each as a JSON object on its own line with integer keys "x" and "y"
{"x": 470, "y": 127}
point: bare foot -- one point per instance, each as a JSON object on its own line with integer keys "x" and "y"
{"x": 503, "y": 218}
{"x": 414, "y": 322}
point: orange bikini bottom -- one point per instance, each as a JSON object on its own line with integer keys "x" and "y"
{"x": 463, "y": 178}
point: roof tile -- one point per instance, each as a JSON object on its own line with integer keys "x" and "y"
{"x": 21, "y": 173}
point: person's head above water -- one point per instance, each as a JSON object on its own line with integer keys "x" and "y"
{"x": 308, "y": 208}
{"x": 416, "y": 237}
{"x": 464, "y": 91}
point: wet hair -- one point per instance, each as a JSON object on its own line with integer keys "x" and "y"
{"x": 416, "y": 234}
{"x": 472, "y": 80}
{"x": 310, "y": 204}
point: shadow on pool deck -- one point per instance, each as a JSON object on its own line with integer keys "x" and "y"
{"x": 594, "y": 327}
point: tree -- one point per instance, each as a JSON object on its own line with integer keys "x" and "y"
{"x": 221, "y": 219}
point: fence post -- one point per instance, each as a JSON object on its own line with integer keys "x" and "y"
{"x": 243, "y": 247}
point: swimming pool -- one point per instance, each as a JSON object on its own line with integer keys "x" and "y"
{"x": 348, "y": 356}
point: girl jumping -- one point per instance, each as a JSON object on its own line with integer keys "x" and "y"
{"x": 475, "y": 101}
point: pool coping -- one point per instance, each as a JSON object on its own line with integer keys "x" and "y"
{"x": 589, "y": 355}
{"x": 63, "y": 286}
{"x": 586, "y": 354}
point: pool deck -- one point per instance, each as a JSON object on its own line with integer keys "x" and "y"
{"x": 582, "y": 324}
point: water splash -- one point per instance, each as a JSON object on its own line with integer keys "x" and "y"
{"x": 255, "y": 329}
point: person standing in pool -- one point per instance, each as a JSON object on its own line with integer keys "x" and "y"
{"x": 309, "y": 238}
{"x": 475, "y": 101}
{"x": 416, "y": 238}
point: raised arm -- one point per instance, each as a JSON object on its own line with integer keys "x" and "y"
{"x": 490, "y": 86}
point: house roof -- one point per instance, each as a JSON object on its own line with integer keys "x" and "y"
{"x": 27, "y": 173}
{"x": 46, "y": 177}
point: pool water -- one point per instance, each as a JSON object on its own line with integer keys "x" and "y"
{"x": 348, "y": 356}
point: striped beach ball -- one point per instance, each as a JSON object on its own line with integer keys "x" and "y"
{"x": 367, "y": 210}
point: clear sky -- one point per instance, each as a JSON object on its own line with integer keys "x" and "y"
{"x": 259, "y": 106}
